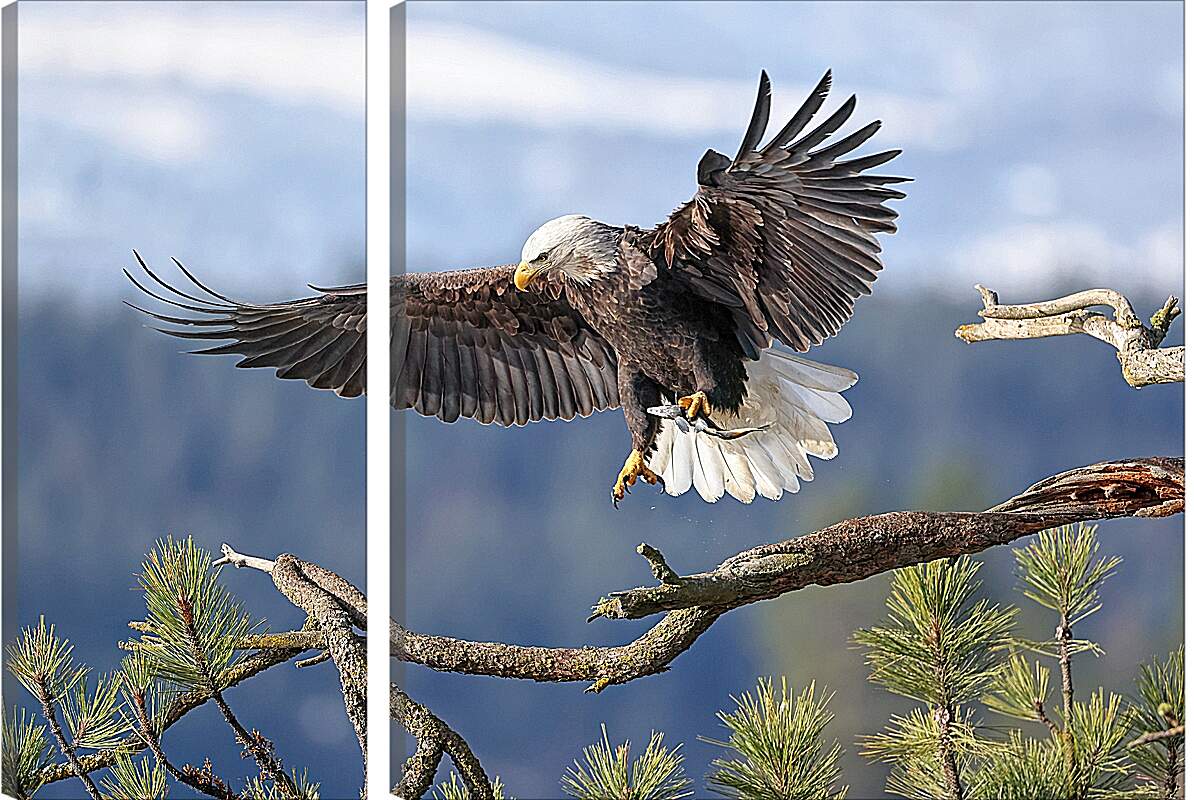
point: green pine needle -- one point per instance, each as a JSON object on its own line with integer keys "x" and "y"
{"x": 1159, "y": 706}
{"x": 26, "y": 753}
{"x": 91, "y": 717}
{"x": 43, "y": 663}
{"x": 1100, "y": 730}
{"x": 607, "y": 774}
{"x": 1020, "y": 691}
{"x": 911, "y": 745}
{"x": 940, "y": 646}
{"x": 258, "y": 789}
{"x": 1061, "y": 570}
{"x": 779, "y": 741}
{"x": 1023, "y": 769}
{"x": 455, "y": 789}
{"x": 136, "y": 780}
{"x": 192, "y": 624}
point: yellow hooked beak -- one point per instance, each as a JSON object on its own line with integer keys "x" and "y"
{"x": 524, "y": 275}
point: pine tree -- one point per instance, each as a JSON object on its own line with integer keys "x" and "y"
{"x": 942, "y": 648}
{"x": 780, "y": 754}
{"x": 608, "y": 773}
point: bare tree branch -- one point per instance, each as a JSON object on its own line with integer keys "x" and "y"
{"x": 304, "y": 585}
{"x": 1142, "y": 359}
{"x": 434, "y": 738}
{"x": 845, "y": 552}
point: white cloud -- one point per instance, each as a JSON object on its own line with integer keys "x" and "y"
{"x": 309, "y": 52}
{"x": 156, "y": 125}
{"x": 462, "y": 74}
{"x": 1031, "y": 256}
{"x": 1032, "y": 190}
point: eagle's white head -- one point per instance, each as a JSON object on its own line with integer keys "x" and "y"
{"x": 579, "y": 248}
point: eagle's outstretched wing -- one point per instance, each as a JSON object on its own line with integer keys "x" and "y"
{"x": 462, "y": 344}
{"x": 467, "y": 344}
{"x": 317, "y": 339}
{"x": 784, "y": 234}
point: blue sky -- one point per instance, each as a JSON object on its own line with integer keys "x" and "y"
{"x": 232, "y": 135}
{"x": 229, "y": 135}
{"x": 1045, "y": 137}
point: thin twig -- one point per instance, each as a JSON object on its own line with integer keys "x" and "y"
{"x": 48, "y": 711}
{"x": 239, "y": 560}
{"x": 1063, "y": 637}
{"x": 1157, "y": 736}
{"x": 1044, "y": 719}
{"x": 208, "y": 785}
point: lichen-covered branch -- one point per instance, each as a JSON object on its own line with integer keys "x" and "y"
{"x": 434, "y": 738}
{"x": 845, "y": 552}
{"x": 1142, "y": 359}
{"x": 305, "y": 585}
{"x": 862, "y": 547}
{"x": 336, "y": 606}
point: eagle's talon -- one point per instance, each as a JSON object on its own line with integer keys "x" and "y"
{"x": 695, "y": 404}
{"x": 634, "y": 468}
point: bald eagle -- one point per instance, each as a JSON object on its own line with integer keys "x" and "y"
{"x": 702, "y": 312}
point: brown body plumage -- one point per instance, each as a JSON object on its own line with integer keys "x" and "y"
{"x": 775, "y": 246}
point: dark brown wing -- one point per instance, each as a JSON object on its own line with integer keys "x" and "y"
{"x": 320, "y": 340}
{"x": 467, "y": 344}
{"x": 784, "y": 234}
{"x": 462, "y": 344}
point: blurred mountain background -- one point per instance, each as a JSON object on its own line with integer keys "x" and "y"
{"x": 1046, "y": 143}
{"x": 232, "y": 137}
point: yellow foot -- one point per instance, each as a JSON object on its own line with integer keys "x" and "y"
{"x": 696, "y": 404}
{"x": 632, "y": 470}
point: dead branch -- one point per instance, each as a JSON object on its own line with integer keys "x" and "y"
{"x": 434, "y": 738}
{"x": 336, "y": 606}
{"x": 845, "y": 552}
{"x": 1142, "y": 359}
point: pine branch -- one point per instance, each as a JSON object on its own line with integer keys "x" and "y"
{"x": 941, "y": 647}
{"x": 657, "y": 774}
{"x": 1062, "y": 572}
{"x": 780, "y": 753}
{"x": 181, "y": 705}
{"x": 47, "y": 709}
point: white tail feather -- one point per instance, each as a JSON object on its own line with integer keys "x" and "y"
{"x": 789, "y": 395}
